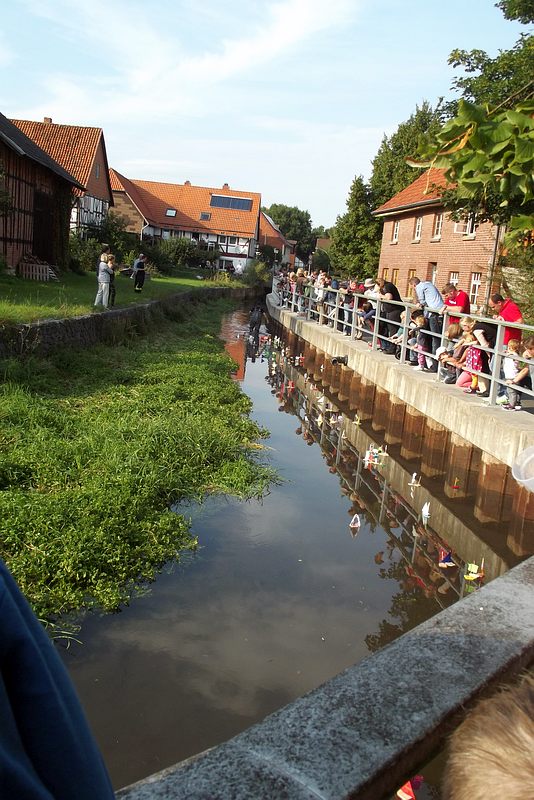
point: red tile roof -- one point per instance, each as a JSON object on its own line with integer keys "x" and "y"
{"x": 270, "y": 233}
{"x": 72, "y": 146}
{"x": 420, "y": 192}
{"x": 16, "y": 140}
{"x": 153, "y": 198}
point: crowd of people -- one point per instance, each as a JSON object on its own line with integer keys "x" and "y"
{"x": 462, "y": 354}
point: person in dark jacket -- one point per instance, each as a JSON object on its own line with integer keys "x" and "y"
{"x": 47, "y": 751}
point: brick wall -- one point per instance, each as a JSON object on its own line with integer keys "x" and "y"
{"x": 124, "y": 206}
{"x": 435, "y": 257}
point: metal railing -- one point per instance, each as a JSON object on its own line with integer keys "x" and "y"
{"x": 326, "y": 306}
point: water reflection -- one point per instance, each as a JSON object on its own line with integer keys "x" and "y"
{"x": 280, "y": 596}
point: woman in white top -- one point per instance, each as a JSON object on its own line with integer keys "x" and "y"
{"x": 104, "y": 278}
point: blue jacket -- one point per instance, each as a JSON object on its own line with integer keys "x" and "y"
{"x": 46, "y": 749}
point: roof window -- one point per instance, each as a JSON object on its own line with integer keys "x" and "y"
{"x": 205, "y": 215}
{"x": 171, "y": 212}
{"x": 223, "y": 201}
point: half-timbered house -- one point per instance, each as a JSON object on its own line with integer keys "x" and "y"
{"x": 81, "y": 150}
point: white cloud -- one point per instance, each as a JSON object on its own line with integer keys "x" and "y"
{"x": 150, "y": 66}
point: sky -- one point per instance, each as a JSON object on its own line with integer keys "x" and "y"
{"x": 289, "y": 98}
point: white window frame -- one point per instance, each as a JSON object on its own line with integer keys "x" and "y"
{"x": 476, "y": 281}
{"x": 395, "y": 232}
{"x": 467, "y": 227}
{"x": 438, "y": 226}
{"x": 454, "y": 278}
{"x": 170, "y": 212}
{"x": 418, "y": 228}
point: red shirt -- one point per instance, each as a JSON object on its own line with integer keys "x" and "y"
{"x": 462, "y": 300}
{"x": 510, "y": 313}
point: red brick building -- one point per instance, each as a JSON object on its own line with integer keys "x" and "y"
{"x": 419, "y": 239}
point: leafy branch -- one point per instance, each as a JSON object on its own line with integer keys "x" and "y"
{"x": 488, "y": 155}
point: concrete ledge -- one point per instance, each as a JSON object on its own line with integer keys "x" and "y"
{"x": 363, "y": 733}
{"x": 501, "y": 435}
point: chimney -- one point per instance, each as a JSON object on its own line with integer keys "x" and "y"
{"x": 225, "y": 186}
{"x": 187, "y": 183}
{"x": 47, "y": 120}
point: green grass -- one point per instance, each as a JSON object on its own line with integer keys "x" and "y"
{"x": 96, "y": 445}
{"x": 28, "y": 301}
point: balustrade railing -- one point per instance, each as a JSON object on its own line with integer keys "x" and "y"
{"x": 390, "y": 318}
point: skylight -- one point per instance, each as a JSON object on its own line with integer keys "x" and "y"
{"x": 223, "y": 201}
{"x": 171, "y": 212}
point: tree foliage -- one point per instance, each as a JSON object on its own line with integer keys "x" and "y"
{"x": 522, "y": 10}
{"x": 490, "y": 158}
{"x": 493, "y": 81}
{"x": 295, "y": 224}
{"x": 391, "y": 173}
{"x": 356, "y": 236}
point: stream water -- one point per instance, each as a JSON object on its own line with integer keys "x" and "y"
{"x": 279, "y": 597}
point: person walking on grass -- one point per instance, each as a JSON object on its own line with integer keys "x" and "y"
{"x": 104, "y": 273}
{"x": 112, "y": 289}
{"x": 139, "y": 272}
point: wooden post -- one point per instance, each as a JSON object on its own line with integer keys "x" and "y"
{"x": 462, "y": 470}
{"x": 520, "y": 529}
{"x": 412, "y": 437}
{"x": 490, "y": 490}
{"x": 434, "y": 457}
{"x": 395, "y": 421}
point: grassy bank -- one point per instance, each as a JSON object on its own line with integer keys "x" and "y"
{"x": 28, "y": 301}
{"x": 95, "y": 445}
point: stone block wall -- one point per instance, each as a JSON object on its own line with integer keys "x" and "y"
{"x": 107, "y": 327}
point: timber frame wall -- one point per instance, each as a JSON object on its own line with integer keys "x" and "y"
{"x": 21, "y": 230}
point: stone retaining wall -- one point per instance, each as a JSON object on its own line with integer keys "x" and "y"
{"x": 363, "y": 733}
{"x": 106, "y": 327}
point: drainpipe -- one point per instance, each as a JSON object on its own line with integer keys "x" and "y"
{"x": 146, "y": 225}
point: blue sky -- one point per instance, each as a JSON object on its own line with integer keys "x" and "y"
{"x": 289, "y": 98}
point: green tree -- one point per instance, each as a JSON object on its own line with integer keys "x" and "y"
{"x": 492, "y": 81}
{"x": 295, "y": 224}
{"x": 522, "y": 10}
{"x": 321, "y": 260}
{"x": 489, "y": 159}
{"x": 391, "y": 173}
{"x": 356, "y": 236}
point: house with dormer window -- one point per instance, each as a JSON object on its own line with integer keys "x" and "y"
{"x": 420, "y": 239}
{"x": 81, "y": 151}
{"x": 224, "y": 220}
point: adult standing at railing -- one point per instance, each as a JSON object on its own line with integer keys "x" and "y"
{"x": 430, "y": 299}
{"x": 455, "y": 300}
{"x": 390, "y": 312}
{"x": 507, "y": 311}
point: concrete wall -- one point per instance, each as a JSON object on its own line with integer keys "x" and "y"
{"x": 502, "y": 436}
{"x": 366, "y": 731}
